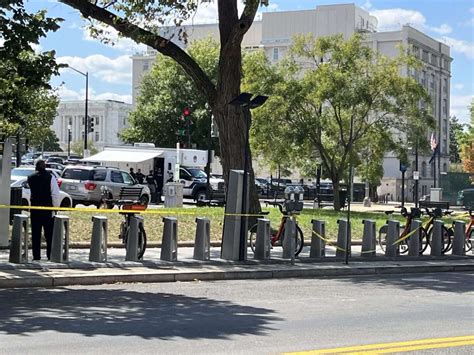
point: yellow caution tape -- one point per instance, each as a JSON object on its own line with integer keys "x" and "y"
{"x": 154, "y": 211}
{"x": 408, "y": 235}
{"x": 328, "y": 242}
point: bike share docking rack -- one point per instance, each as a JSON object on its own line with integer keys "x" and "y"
{"x": 318, "y": 250}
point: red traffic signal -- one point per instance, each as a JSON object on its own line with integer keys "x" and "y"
{"x": 186, "y": 111}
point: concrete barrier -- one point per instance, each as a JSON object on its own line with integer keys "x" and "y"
{"x": 60, "y": 242}
{"x": 436, "y": 242}
{"x": 98, "y": 250}
{"x": 342, "y": 239}
{"x": 19, "y": 243}
{"x": 459, "y": 238}
{"x": 318, "y": 239}
{"x": 414, "y": 239}
{"x": 131, "y": 253}
{"x": 393, "y": 233}
{"x": 368, "y": 239}
{"x": 202, "y": 242}
{"x": 262, "y": 242}
{"x": 169, "y": 245}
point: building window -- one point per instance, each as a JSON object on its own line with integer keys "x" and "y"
{"x": 97, "y": 136}
{"x": 445, "y": 167}
{"x": 275, "y": 53}
{"x": 97, "y": 120}
{"x": 445, "y": 86}
{"x": 82, "y": 135}
{"x": 424, "y": 190}
{"x": 82, "y": 119}
{"x": 444, "y": 146}
{"x": 415, "y": 51}
{"x": 425, "y": 56}
{"x": 423, "y": 78}
{"x": 445, "y": 106}
{"x": 434, "y": 60}
{"x": 445, "y": 126}
{"x": 446, "y": 64}
{"x": 423, "y": 169}
{"x": 146, "y": 65}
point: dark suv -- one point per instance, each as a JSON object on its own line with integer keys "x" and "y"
{"x": 84, "y": 184}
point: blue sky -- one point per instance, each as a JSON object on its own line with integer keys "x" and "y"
{"x": 450, "y": 21}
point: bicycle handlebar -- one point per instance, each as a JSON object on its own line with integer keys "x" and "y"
{"x": 274, "y": 203}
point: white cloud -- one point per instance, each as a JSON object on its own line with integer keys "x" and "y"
{"x": 367, "y": 5}
{"x": 394, "y": 19}
{"x": 459, "y": 107}
{"x": 460, "y": 46}
{"x": 443, "y": 29}
{"x": 68, "y": 94}
{"x": 121, "y": 44}
{"x": 458, "y": 86}
{"x": 471, "y": 10}
{"x": 113, "y": 71}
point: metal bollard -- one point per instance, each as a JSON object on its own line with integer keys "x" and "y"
{"x": 169, "y": 244}
{"x": 98, "y": 251}
{"x": 289, "y": 241}
{"x": 202, "y": 242}
{"x": 459, "y": 238}
{"x": 414, "y": 239}
{"x": 342, "y": 239}
{"x": 318, "y": 239}
{"x": 393, "y": 233}
{"x": 368, "y": 239}
{"x": 60, "y": 242}
{"x": 436, "y": 242}
{"x": 19, "y": 245}
{"x": 262, "y": 242}
{"x": 131, "y": 253}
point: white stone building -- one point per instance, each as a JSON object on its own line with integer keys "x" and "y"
{"x": 274, "y": 34}
{"x": 110, "y": 118}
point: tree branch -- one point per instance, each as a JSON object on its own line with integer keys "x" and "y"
{"x": 140, "y": 35}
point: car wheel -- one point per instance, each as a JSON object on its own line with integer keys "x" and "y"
{"x": 65, "y": 203}
{"x": 144, "y": 200}
{"x": 200, "y": 195}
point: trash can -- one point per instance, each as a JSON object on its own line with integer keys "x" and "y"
{"x": 173, "y": 192}
{"x": 15, "y": 200}
{"x": 342, "y": 198}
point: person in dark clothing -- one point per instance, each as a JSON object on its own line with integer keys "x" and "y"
{"x": 139, "y": 176}
{"x": 44, "y": 192}
{"x": 133, "y": 173}
{"x": 150, "y": 180}
{"x": 158, "y": 175}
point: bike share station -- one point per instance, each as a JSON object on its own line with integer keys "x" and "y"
{"x": 235, "y": 233}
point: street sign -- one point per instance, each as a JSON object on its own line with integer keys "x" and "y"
{"x": 416, "y": 175}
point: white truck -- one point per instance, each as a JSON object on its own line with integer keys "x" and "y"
{"x": 147, "y": 158}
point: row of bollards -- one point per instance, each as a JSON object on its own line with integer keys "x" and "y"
{"x": 169, "y": 248}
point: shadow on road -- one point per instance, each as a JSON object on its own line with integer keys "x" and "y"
{"x": 123, "y": 312}
{"x": 440, "y": 282}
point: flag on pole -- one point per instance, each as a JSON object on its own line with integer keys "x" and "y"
{"x": 434, "y": 147}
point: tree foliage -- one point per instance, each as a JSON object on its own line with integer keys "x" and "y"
{"x": 143, "y": 21}
{"x": 467, "y": 144}
{"x": 24, "y": 73}
{"x": 165, "y": 91}
{"x": 329, "y": 82}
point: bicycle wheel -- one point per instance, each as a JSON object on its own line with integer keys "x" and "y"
{"x": 383, "y": 236}
{"x": 299, "y": 242}
{"x": 253, "y": 237}
{"x": 402, "y": 247}
{"x": 141, "y": 242}
{"x": 446, "y": 236}
{"x": 470, "y": 240}
{"x": 424, "y": 240}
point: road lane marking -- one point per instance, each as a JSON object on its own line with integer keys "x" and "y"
{"x": 396, "y": 346}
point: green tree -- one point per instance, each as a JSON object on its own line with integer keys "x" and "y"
{"x": 346, "y": 81}
{"x": 467, "y": 144}
{"x": 24, "y": 73}
{"x": 77, "y": 147}
{"x": 165, "y": 91}
{"x": 456, "y": 135}
{"x": 141, "y": 21}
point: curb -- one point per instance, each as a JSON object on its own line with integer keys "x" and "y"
{"x": 244, "y": 272}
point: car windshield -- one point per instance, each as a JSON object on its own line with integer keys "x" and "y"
{"x": 76, "y": 174}
{"x": 197, "y": 173}
{"x": 22, "y": 172}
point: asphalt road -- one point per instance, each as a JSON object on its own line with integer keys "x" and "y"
{"x": 257, "y": 317}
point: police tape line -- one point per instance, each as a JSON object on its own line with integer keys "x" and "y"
{"x": 151, "y": 212}
{"x": 328, "y": 242}
{"x": 408, "y": 235}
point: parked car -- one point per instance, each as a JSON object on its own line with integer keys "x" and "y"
{"x": 262, "y": 185}
{"x": 25, "y": 171}
{"x": 466, "y": 198}
{"x": 56, "y": 166}
{"x": 65, "y": 199}
{"x": 84, "y": 184}
{"x": 194, "y": 182}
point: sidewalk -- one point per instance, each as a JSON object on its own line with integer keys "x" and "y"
{"x": 79, "y": 271}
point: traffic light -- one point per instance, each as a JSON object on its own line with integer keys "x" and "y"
{"x": 90, "y": 124}
{"x": 187, "y": 116}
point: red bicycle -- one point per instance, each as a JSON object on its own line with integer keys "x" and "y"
{"x": 469, "y": 233}
{"x": 277, "y": 235}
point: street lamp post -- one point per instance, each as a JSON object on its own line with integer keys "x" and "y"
{"x": 69, "y": 127}
{"x": 86, "y": 117}
{"x": 245, "y": 101}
